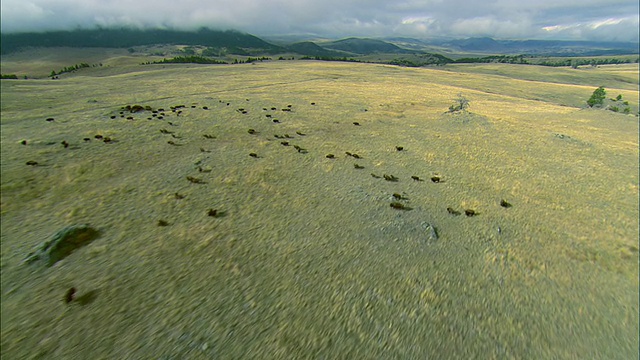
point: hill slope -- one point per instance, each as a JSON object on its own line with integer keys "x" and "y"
{"x": 366, "y": 46}
{"x": 216, "y": 241}
{"x": 312, "y": 49}
{"x": 234, "y": 41}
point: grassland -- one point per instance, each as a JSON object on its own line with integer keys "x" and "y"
{"x": 309, "y": 260}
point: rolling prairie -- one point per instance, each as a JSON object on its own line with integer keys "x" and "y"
{"x": 305, "y": 257}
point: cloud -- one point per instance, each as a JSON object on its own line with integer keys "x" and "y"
{"x": 611, "y": 29}
{"x": 17, "y": 14}
{"x": 491, "y": 26}
{"x": 571, "y": 19}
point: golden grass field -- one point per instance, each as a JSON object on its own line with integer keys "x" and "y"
{"x": 308, "y": 259}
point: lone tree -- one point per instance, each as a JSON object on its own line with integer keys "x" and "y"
{"x": 597, "y": 97}
{"x": 461, "y": 104}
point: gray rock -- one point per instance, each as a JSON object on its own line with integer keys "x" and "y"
{"x": 62, "y": 244}
{"x": 432, "y": 232}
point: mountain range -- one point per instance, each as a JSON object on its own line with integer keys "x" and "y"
{"x": 235, "y": 42}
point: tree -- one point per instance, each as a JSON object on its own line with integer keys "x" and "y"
{"x": 597, "y": 97}
{"x": 462, "y": 104}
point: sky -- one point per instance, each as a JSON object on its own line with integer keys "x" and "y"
{"x": 606, "y": 20}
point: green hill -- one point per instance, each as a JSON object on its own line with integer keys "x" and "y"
{"x": 363, "y": 46}
{"x": 235, "y": 42}
{"x": 312, "y": 49}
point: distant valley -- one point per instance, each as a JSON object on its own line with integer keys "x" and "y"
{"x": 78, "y": 49}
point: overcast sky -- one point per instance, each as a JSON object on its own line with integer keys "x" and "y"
{"x": 616, "y": 20}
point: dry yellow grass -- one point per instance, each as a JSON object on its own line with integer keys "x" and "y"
{"x": 309, "y": 260}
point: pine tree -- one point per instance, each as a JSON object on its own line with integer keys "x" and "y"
{"x": 597, "y": 97}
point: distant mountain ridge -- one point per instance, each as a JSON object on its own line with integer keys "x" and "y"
{"x": 239, "y": 43}
{"x": 545, "y": 47}
{"x": 236, "y": 42}
{"x": 365, "y": 46}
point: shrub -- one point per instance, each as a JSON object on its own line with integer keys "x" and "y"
{"x": 626, "y": 110}
{"x": 619, "y": 97}
{"x": 188, "y": 51}
{"x": 614, "y": 109}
